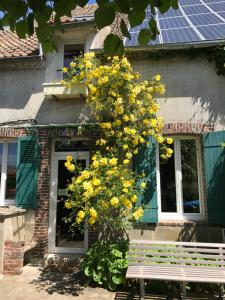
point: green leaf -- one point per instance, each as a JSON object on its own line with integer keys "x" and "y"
{"x": 113, "y": 45}
{"x": 124, "y": 29}
{"x": 30, "y": 23}
{"x": 174, "y": 4}
{"x": 118, "y": 278}
{"x": 154, "y": 29}
{"x": 104, "y": 16}
{"x": 87, "y": 271}
{"x": 139, "y": 5}
{"x": 112, "y": 286}
{"x": 123, "y": 6}
{"x": 164, "y": 6}
{"x": 21, "y": 29}
{"x": 82, "y": 3}
{"x": 144, "y": 36}
{"x": 136, "y": 17}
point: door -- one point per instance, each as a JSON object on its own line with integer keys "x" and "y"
{"x": 61, "y": 238}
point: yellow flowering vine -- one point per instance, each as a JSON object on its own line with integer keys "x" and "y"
{"x": 126, "y": 112}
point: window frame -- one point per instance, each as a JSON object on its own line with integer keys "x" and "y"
{"x": 4, "y": 169}
{"x": 180, "y": 215}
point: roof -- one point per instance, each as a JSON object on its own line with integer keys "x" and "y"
{"x": 196, "y": 21}
{"x": 12, "y": 46}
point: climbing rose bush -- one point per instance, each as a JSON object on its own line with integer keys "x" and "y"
{"x": 124, "y": 106}
{"x": 104, "y": 195}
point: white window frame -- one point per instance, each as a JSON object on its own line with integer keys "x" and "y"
{"x": 4, "y": 201}
{"x": 180, "y": 215}
{"x": 52, "y": 248}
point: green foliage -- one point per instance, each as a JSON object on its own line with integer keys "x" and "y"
{"x": 20, "y": 14}
{"x": 106, "y": 262}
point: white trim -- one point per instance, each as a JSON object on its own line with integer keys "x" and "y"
{"x": 3, "y": 200}
{"x": 56, "y": 156}
{"x": 180, "y": 215}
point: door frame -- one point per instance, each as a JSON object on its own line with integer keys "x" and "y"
{"x": 53, "y": 204}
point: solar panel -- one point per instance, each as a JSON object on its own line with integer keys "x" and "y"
{"x": 189, "y": 2}
{"x": 217, "y": 6}
{"x": 173, "y": 23}
{"x": 204, "y": 19}
{"x": 179, "y": 35}
{"x": 195, "y": 9}
{"x": 213, "y": 32}
{"x": 170, "y": 13}
{"x": 196, "y": 21}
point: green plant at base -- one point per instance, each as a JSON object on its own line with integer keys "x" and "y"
{"x": 106, "y": 262}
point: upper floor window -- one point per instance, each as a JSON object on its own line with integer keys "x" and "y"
{"x": 71, "y": 51}
{"x": 8, "y": 156}
{"x": 180, "y": 181}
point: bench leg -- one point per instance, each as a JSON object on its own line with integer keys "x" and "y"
{"x": 183, "y": 289}
{"x": 221, "y": 291}
{"x": 142, "y": 289}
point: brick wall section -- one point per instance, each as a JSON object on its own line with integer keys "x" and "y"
{"x": 13, "y": 257}
{"x": 187, "y": 128}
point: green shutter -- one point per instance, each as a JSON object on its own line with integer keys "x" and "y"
{"x": 27, "y": 172}
{"x": 214, "y": 155}
{"x": 145, "y": 161}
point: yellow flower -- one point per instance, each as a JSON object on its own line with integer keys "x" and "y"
{"x": 160, "y": 139}
{"x": 81, "y": 214}
{"x": 70, "y": 167}
{"x": 118, "y": 122}
{"x": 169, "y": 151}
{"x": 93, "y": 213}
{"x": 129, "y": 155}
{"x": 87, "y": 185}
{"x": 69, "y": 158}
{"x": 138, "y": 213}
{"x": 126, "y": 118}
{"x": 85, "y": 174}
{"x": 143, "y": 185}
{"x": 92, "y": 221}
{"x": 127, "y": 183}
{"x": 125, "y": 190}
{"x": 125, "y": 146}
{"x": 114, "y": 201}
{"x": 134, "y": 198}
{"x": 132, "y": 118}
{"x": 68, "y": 205}
{"x": 126, "y": 161}
{"x": 163, "y": 156}
{"x": 169, "y": 141}
{"x": 136, "y": 151}
{"x": 113, "y": 161}
{"x": 95, "y": 164}
{"x": 104, "y": 161}
{"x": 96, "y": 181}
{"x": 158, "y": 77}
{"x": 65, "y": 70}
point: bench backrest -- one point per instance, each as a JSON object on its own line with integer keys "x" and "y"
{"x": 143, "y": 252}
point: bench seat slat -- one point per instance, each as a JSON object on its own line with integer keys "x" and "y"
{"x": 174, "y": 254}
{"x": 189, "y": 244}
{"x": 177, "y": 261}
{"x": 177, "y": 249}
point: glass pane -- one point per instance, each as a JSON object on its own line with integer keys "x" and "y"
{"x": 189, "y": 176}
{"x": 11, "y": 171}
{"x": 168, "y": 185}
{"x": 71, "y": 51}
{"x": 64, "y": 236}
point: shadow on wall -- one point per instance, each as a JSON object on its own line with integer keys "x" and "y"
{"x": 17, "y": 87}
{"x": 194, "y": 92}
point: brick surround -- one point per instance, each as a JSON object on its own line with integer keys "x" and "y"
{"x": 13, "y": 257}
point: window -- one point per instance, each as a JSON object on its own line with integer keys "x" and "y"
{"x": 179, "y": 181}
{"x": 8, "y": 156}
{"x": 71, "y": 51}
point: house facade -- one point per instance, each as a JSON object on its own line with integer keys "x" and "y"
{"x": 40, "y": 124}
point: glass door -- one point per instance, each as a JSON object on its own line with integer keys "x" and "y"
{"x": 61, "y": 238}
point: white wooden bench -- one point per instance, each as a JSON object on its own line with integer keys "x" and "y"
{"x": 176, "y": 261}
